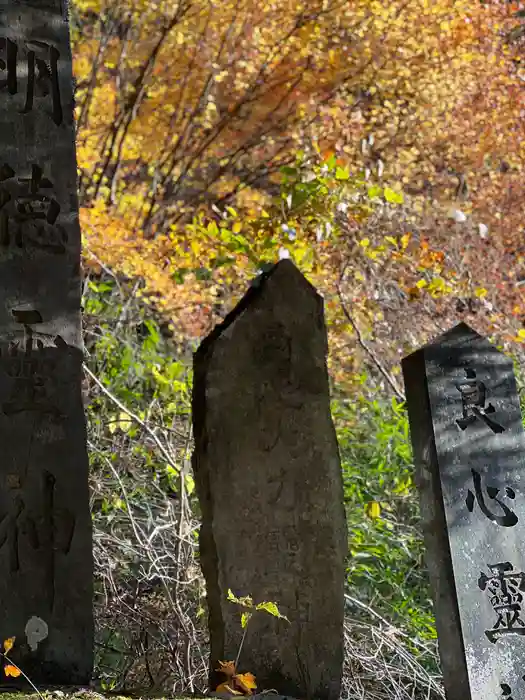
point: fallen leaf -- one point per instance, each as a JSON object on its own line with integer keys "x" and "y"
{"x": 245, "y": 681}
{"x": 10, "y": 670}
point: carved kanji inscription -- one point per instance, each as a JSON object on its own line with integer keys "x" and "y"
{"x": 505, "y": 588}
{"x": 40, "y": 60}
{"x": 50, "y": 530}
{"x": 508, "y": 518}
{"x": 29, "y": 212}
{"x": 473, "y": 394}
{"x": 506, "y": 691}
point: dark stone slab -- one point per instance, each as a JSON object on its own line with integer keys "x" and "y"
{"x": 269, "y": 482}
{"x": 45, "y": 523}
{"x": 469, "y": 449}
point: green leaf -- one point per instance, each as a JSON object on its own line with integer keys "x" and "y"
{"x": 245, "y": 601}
{"x": 201, "y": 273}
{"x": 178, "y": 275}
{"x": 374, "y": 191}
{"x": 341, "y": 173}
{"x": 231, "y": 597}
{"x": 245, "y": 618}
{"x": 152, "y": 330}
{"x": 101, "y": 287}
{"x": 160, "y": 378}
{"x": 239, "y": 244}
{"x": 124, "y": 422}
{"x": 392, "y": 196}
{"x": 213, "y": 229}
{"x": 270, "y": 608}
{"x": 190, "y": 484}
{"x": 221, "y": 260}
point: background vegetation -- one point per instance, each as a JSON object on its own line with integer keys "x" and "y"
{"x": 377, "y": 144}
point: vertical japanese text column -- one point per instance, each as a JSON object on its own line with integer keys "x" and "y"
{"x": 469, "y": 451}
{"x": 46, "y": 575}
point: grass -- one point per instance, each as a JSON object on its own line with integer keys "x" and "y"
{"x": 87, "y": 694}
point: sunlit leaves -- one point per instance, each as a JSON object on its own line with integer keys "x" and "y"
{"x": 392, "y": 196}
{"x": 11, "y": 670}
{"x": 8, "y": 644}
{"x": 398, "y": 98}
{"x": 397, "y": 52}
{"x": 247, "y": 602}
{"x": 373, "y": 510}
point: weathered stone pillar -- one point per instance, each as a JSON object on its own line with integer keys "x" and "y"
{"x": 45, "y": 524}
{"x": 469, "y": 450}
{"x": 269, "y": 482}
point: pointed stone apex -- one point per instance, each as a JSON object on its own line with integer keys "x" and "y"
{"x": 282, "y": 282}
{"x": 460, "y": 334}
{"x": 281, "y": 270}
{"x": 288, "y": 266}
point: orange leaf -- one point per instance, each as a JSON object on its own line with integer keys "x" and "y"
{"x": 245, "y": 681}
{"x": 8, "y": 644}
{"x": 10, "y": 670}
{"x": 413, "y": 293}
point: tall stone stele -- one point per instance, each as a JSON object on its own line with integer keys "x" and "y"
{"x": 469, "y": 452}
{"x": 269, "y": 482}
{"x": 45, "y": 524}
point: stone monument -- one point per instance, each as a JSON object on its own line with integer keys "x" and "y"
{"x": 469, "y": 451}
{"x": 45, "y": 524}
{"x": 269, "y": 482}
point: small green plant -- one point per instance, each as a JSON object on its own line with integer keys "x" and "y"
{"x": 243, "y": 683}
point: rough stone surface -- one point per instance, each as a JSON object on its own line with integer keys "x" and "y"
{"x": 269, "y": 481}
{"x": 469, "y": 449}
{"x": 45, "y": 524}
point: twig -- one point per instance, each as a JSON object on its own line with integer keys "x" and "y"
{"x": 377, "y": 362}
{"x": 369, "y": 610}
{"x": 240, "y": 645}
{"x": 143, "y": 425}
